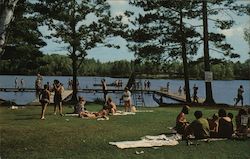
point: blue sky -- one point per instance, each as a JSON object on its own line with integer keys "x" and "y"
{"x": 234, "y": 37}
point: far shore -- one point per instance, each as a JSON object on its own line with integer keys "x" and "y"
{"x": 141, "y": 76}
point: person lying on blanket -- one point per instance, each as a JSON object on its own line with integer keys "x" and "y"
{"x": 94, "y": 115}
{"x": 103, "y": 113}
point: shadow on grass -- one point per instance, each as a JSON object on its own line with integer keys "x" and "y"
{"x": 27, "y": 117}
{"x": 35, "y": 114}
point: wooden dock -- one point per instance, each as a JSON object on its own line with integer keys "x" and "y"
{"x": 17, "y": 89}
{"x": 172, "y": 95}
{"x": 176, "y": 96}
{"x": 84, "y": 90}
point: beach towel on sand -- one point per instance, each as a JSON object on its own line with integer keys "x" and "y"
{"x": 149, "y": 141}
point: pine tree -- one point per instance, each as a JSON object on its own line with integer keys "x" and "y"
{"x": 23, "y": 40}
{"x": 82, "y": 25}
{"x": 163, "y": 35}
{"x": 166, "y": 28}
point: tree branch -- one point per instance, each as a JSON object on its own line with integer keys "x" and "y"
{"x": 217, "y": 50}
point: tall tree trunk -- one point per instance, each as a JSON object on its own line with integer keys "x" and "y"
{"x": 74, "y": 56}
{"x": 184, "y": 58}
{"x": 74, "y": 85}
{"x": 6, "y": 14}
{"x": 209, "y": 94}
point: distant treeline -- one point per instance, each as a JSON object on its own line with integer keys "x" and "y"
{"x": 61, "y": 65}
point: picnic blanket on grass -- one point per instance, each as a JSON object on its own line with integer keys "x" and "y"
{"x": 72, "y": 114}
{"x": 149, "y": 141}
{"x": 157, "y": 141}
{"x": 123, "y": 113}
{"x": 144, "y": 111}
{"x": 97, "y": 118}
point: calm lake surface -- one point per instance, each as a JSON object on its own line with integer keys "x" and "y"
{"x": 223, "y": 91}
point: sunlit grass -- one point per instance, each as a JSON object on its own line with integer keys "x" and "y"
{"x": 23, "y": 135}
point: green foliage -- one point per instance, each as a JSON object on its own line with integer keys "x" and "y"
{"x": 70, "y": 24}
{"x": 159, "y": 35}
{"x": 242, "y": 70}
{"x": 61, "y": 65}
{"x": 23, "y": 41}
{"x": 55, "y": 65}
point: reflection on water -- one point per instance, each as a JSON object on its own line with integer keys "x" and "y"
{"x": 20, "y": 98}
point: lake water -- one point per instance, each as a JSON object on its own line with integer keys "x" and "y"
{"x": 223, "y": 91}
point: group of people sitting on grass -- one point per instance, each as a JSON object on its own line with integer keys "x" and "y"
{"x": 219, "y": 126}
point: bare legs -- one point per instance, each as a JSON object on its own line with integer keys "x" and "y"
{"x": 44, "y": 106}
{"x": 60, "y": 108}
{"x": 127, "y": 105}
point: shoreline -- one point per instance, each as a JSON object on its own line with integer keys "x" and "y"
{"x": 142, "y": 76}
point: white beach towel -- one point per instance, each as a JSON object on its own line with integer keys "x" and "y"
{"x": 149, "y": 141}
{"x": 71, "y": 114}
{"x": 123, "y": 113}
{"x": 144, "y": 111}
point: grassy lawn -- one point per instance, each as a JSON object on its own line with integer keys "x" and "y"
{"x": 23, "y": 135}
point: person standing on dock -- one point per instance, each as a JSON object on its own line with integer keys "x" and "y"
{"x": 104, "y": 89}
{"x": 16, "y": 83}
{"x": 179, "y": 90}
{"x": 239, "y": 96}
{"x": 148, "y": 85}
{"x": 116, "y": 84}
{"x": 167, "y": 86}
{"x": 58, "y": 89}
{"x": 120, "y": 84}
{"x": 39, "y": 77}
{"x": 69, "y": 84}
{"x": 22, "y": 83}
{"x": 145, "y": 84}
{"x": 44, "y": 99}
{"x": 38, "y": 83}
